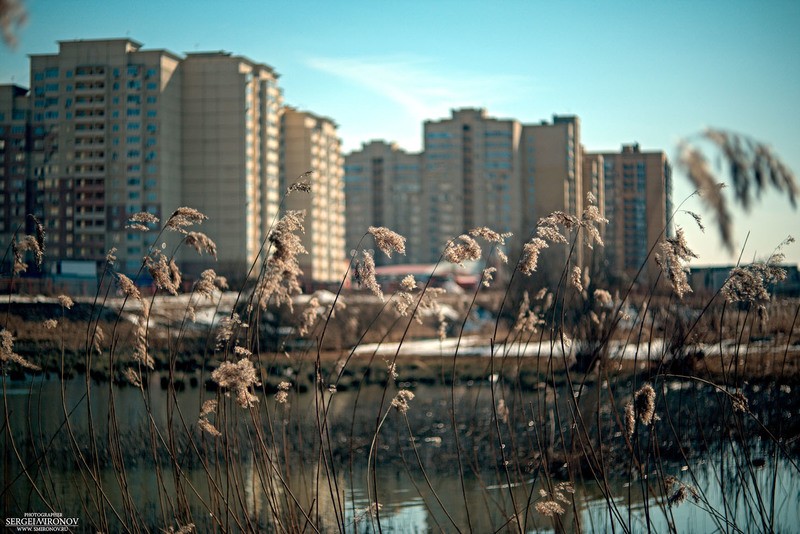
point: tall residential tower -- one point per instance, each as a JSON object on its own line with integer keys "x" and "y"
{"x": 231, "y": 150}
{"x": 383, "y": 187}
{"x": 310, "y": 143}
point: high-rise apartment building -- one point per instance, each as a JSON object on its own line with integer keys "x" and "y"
{"x": 475, "y": 170}
{"x": 552, "y": 178}
{"x": 17, "y": 145}
{"x": 231, "y": 148}
{"x": 310, "y": 143}
{"x": 638, "y": 202}
{"x": 383, "y": 187}
{"x": 109, "y": 115}
{"x": 471, "y": 177}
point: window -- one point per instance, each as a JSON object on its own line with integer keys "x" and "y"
{"x": 152, "y": 113}
{"x": 152, "y": 86}
{"x": 152, "y": 99}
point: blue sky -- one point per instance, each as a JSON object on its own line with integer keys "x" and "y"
{"x": 651, "y": 72}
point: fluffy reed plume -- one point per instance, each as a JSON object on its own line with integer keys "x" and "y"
{"x": 645, "y": 404}
{"x": 739, "y": 401}
{"x": 590, "y": 218}
{"x": 166, "y": 274}
{"x": 281, "y": 277}
{"x": 283, "y": 392}
{"x": 303, "y": 185}
{"x": 753, "y": 165}
{"x": 551, "y": 505}
{"x": 242, "y": 352}
{"x": 201, "y": 243}
{"x": 228, "y": 326}
{"x": 98, "y": 338}
{"x": 672, "y": 258}
{"x": 681, "y": 492}
{"x": 698, "y": 220}
{"x": 463, "y": 249}
{"x": 238, "y": 378}
{"x": 603, "y": 297}
{"x": 493, "y": 237}
{"x": 697, "y": 168}
{"x": 387, "y": 240}
{"x": 127, "y": 286}
{"x": 39, "y": 236}
{"x": 7, "y": 353}
{"x": 364, "y": 274}
{"x": 642, "y": 407}
{"x": 400, "y": 401}
{"x": 184, "y": 217}
{"x": 391, "y": 369}
{"x": 30, "y": 244}
{"x": 209, "y": 283}
{"x": 527, "y": 319}
{"x": 630, "y": 419}
{"x": 547, "y": 227}
{"x": 209, "y": 407}
{"x": 139, "y": 221}
{"x": 12, "y": 17}
{"x": 111, "y": 257}
{"x": 749, "y": 283}
{"x": 576, "y": 279}
{"x": 133, "y": 377}
{"x": 309, "y": 317}
{"x": 490, "y": 235}
{"x": 140, "y": 352}
{"x": 208, "y": 427}
{"x": 50, "y": 324}
{"x": 487, "y": 276}
{"x": 530, "y": 255}
{"x": 404, "y": 298}
{"x": 65, "y": 301}
{"x": 549, "y": 508}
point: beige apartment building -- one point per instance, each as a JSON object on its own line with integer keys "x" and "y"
{"x": 471, "y": 177}
{"x": 109, "y": 129}
{"x": 311, "y": 143}
{"x": 231, "y": 149}
{"x": 383, "y": 187}
{"x": 638, "y": 202}
{"x": 552, "y": 177}
{"x": 109, "y": 116}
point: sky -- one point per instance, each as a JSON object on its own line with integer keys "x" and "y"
{"x": 648, "y": 72}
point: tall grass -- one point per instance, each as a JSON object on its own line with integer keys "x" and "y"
{"x": 550, "y": 429}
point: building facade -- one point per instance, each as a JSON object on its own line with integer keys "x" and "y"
{"x": 109, "y": 129}
{"x": 383, "y": 187}
{"x": 471, "y": 177}
{"x": 109, "y": 115}
{"x": 638, "y": 204}
{"x": 18, "y": 150}
{"x": 231, "y": 151}
{"x": 310, "y": 143}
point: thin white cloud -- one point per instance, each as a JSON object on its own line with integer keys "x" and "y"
{"x": 424, "y": 88}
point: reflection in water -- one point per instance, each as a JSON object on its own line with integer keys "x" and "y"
{"x": 318, "y": 491}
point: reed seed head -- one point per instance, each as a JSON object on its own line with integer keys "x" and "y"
{"x": 387, "y": 240}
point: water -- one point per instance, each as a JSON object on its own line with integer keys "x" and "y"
{"x": 753, "y": 487}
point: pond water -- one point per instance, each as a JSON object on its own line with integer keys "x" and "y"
{"x": 420, "y": 481}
